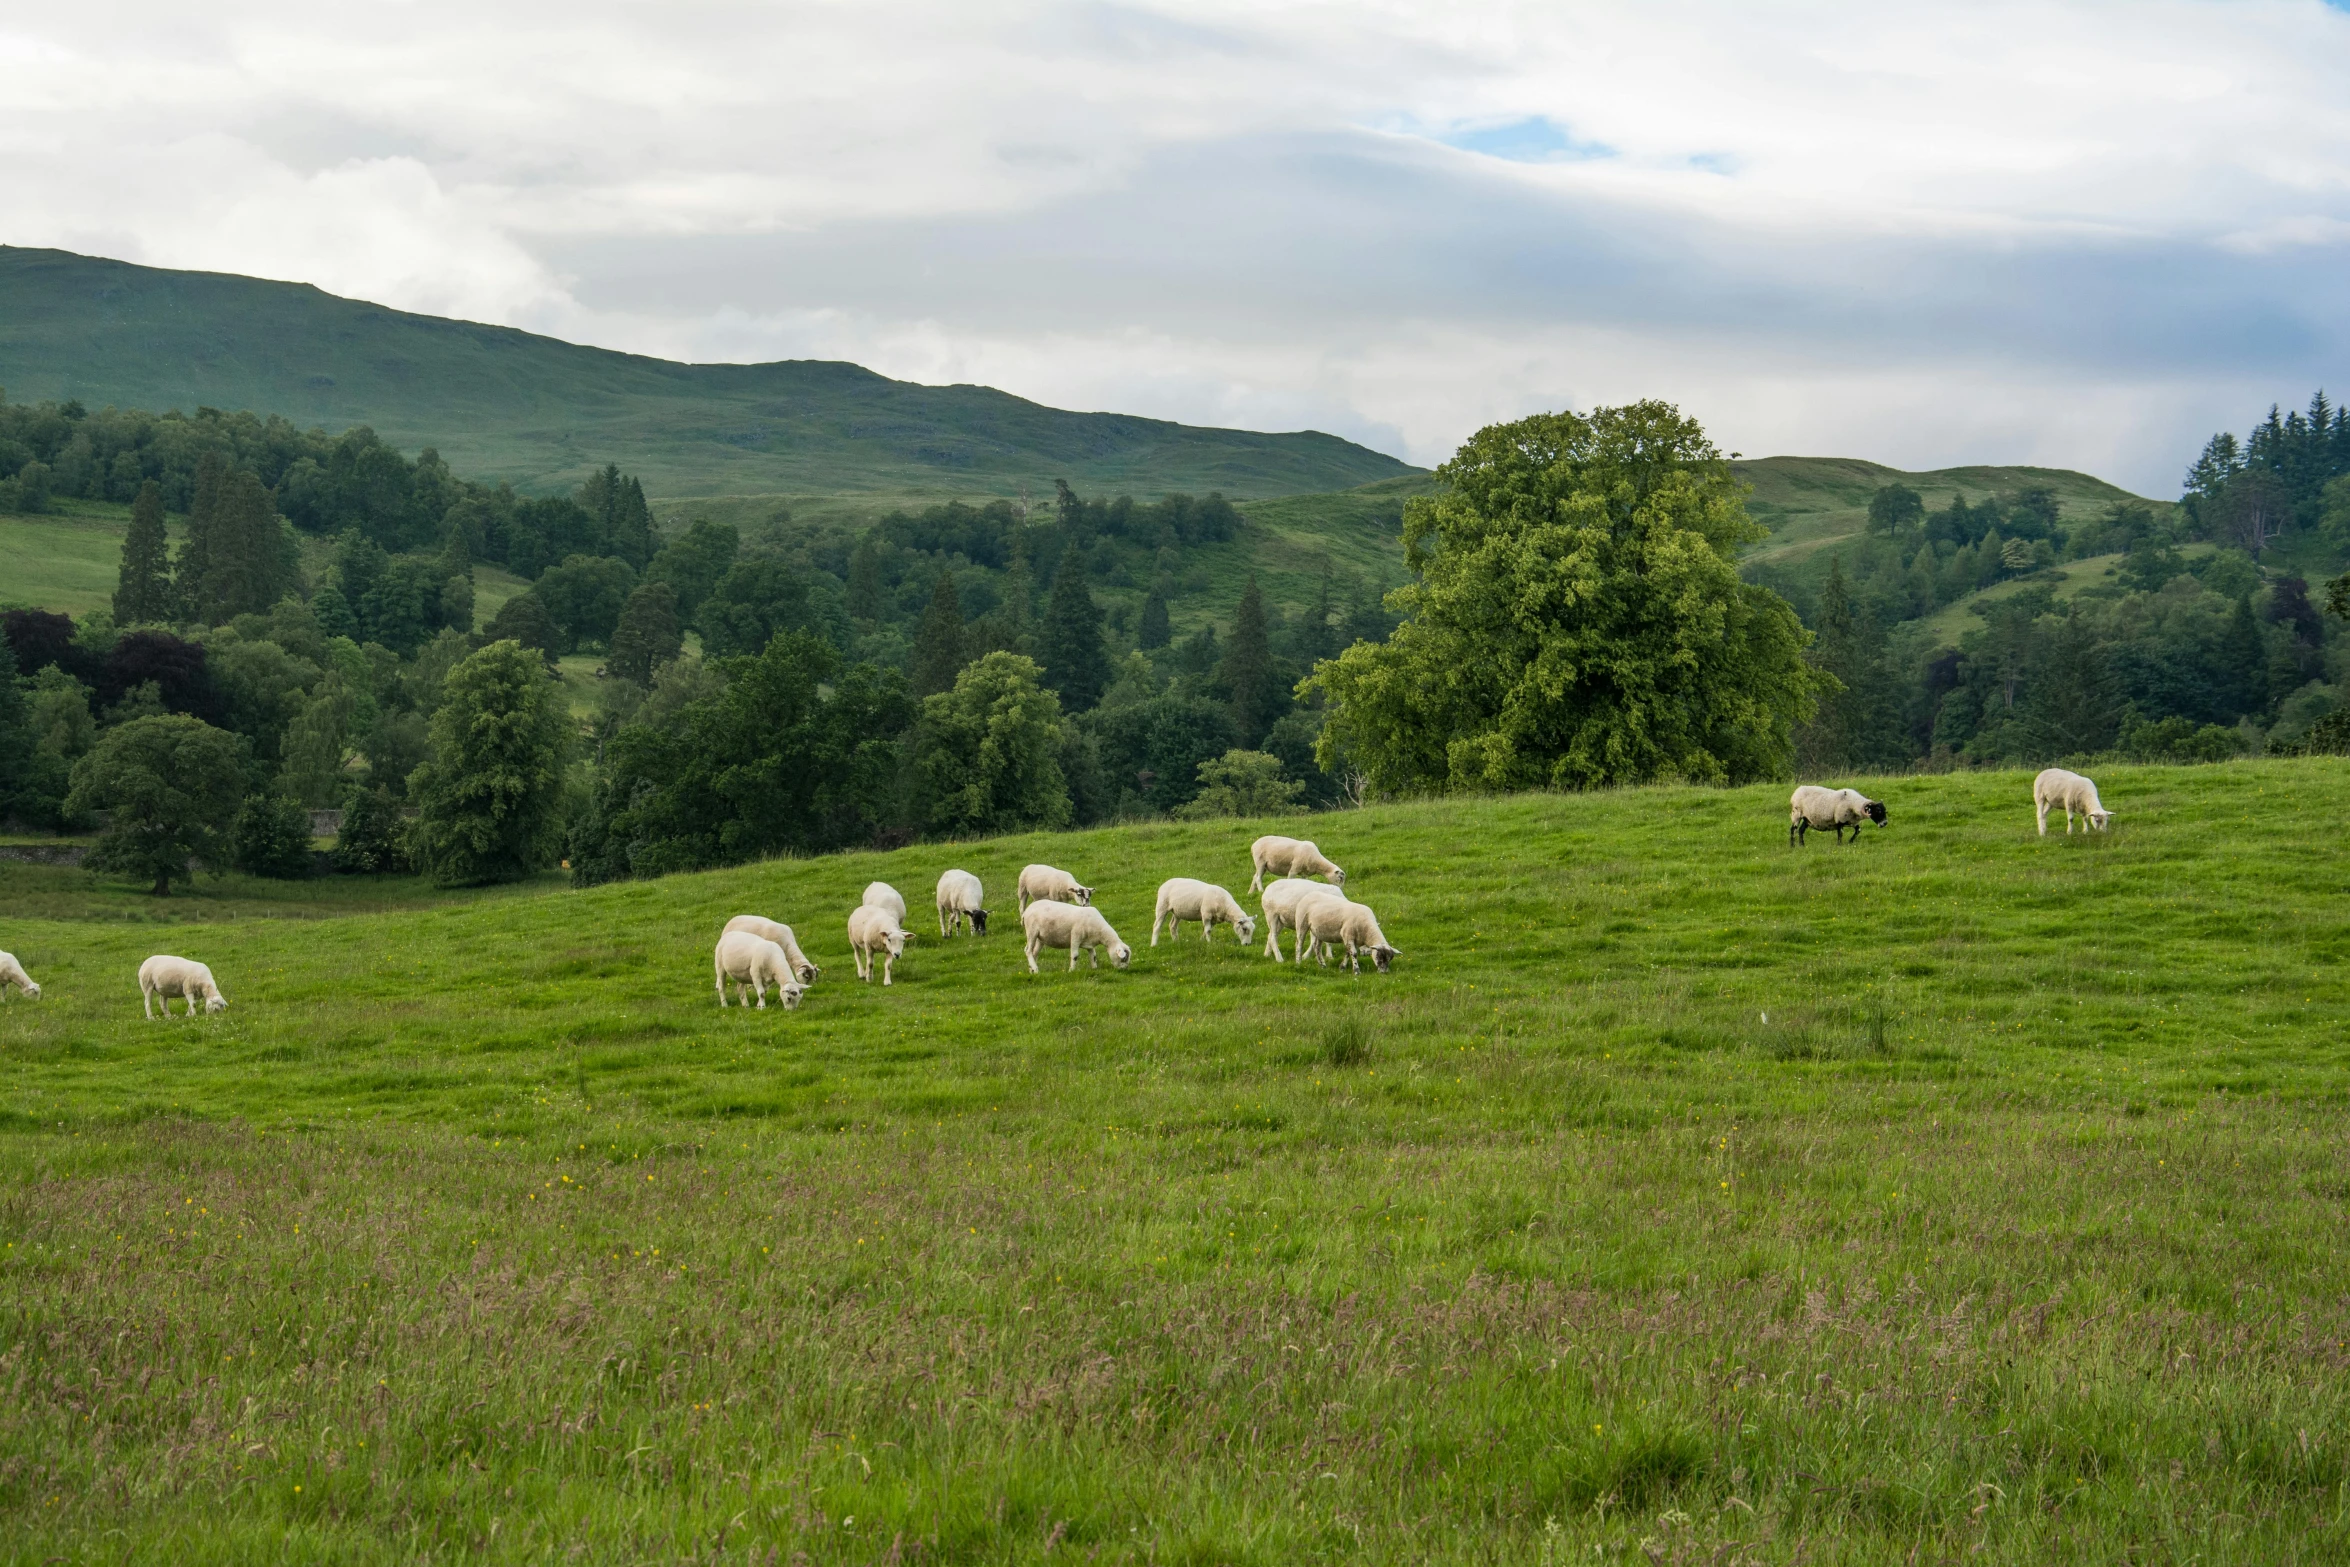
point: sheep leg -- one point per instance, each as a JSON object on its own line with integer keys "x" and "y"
{"x": 1033, "y": 944}
{"x": 147, "y": 1003}
{"x": 1156, "y": 916}
{"x": 889, "y": 961}
{"x": 1074, "y": 944}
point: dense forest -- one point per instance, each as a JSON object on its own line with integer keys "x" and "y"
{"x": 952, "y": 671}
{"x": 2203, "y": 637}
{"x": 794, "y": 690}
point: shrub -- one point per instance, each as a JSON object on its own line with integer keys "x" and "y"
{"x": 374, "y": 836}
{"x": 272, "y": 838}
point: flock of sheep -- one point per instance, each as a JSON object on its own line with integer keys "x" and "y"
{"x": 756, "y": 953}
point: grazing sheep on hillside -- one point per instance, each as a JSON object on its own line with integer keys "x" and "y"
{"x": 875, "y": 931}
{"x": 1335, "y": 921}
{"x": 1290, "y": 857}
{"x": 1812, "y": 806}
{"x": 767, "y": 930}
{"x": 959, "y": 898}
{"x": 1051, "y": 923}
{"x": 1042, "y": 881}
{"x": 1184, "y": 899}
{"x": 1282, "y": 902}
{"x": 754, "y": 963}
{"x": 12, "y": 973}
{"x": 162, "y": 977}
{"x": 881, "y": 895}
{"x": 2057, "y": 788}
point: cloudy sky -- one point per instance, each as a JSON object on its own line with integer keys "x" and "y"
{"x": 2080, "y": 234}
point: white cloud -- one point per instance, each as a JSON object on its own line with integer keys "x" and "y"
{"x": 2053, "y": 232}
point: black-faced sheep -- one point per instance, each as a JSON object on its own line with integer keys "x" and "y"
{"x": 1812, "y": 806}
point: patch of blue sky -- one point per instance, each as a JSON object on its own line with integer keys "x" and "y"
{"x": 1533, "y": 140}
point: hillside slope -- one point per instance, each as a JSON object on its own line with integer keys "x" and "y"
{"x": 1812, "y": 504}
{"x": 504, "y": 404}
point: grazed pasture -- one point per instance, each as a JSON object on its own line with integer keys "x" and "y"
{"x": 1680, "y": 1197}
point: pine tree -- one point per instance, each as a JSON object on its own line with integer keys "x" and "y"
{"x": 2074, "y": 703}
{"x": 1155, "y": 633}
{"x": 939, "y": 643}
{"x": 143, "y": 593}
{"x": 2244, "y": 658}
{"x": 1076, "y": 663}
{"x": 192, "y": 572}
{"x": 246, "y": 573}
{"x": 1248, "y": 673}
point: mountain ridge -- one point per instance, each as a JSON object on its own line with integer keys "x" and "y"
{"x": 541, "y": 412}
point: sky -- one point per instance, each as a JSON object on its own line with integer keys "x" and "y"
{"x": 2077, "y": 233}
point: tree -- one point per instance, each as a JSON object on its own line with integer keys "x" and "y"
{"x": 524, "y": 619}
{"x": 585, "y": 595}
{"x": 771, "y": 763}
{"x": 1076, "y": 664}
{"x": 2073, "y": 704}
{"x": 1858, "y": 723}
{"x": 313, "y": 771}
{"x": 647, "y": 636}
{"x": 694, "y": 562}
{"x": 18, "y": 744}
{"x": 272, "y": 838}
{"x": 172, "y": 785}
{"x": 1259, "y": 695}
{"x": 1578, "y": 621}
{"x": 751, "y": 603}
{"x": 1241, "y": 783}
{"x": 987, "y": 753}
{"x": 143, "y": 591}
{"x": 623, "y": 524}
{"x": 865, "y": 582}
{"x": 1155, "y": 631}
{"x": 1894, "y": 507}
{"x": 373, "y": 840}
{"x": 2243, "y": 657}
{"x": 235, "y": 559}
{"x": 489, "y": 799}
{"x": 939, "y": 642}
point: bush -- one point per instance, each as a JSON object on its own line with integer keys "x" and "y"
{"x": 2178, "y": 740}
{"x": 1241, "y": 783}
{"x": 272, "y": 838}
{"x": 374, "y": 836}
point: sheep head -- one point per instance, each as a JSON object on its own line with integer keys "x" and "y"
{"x": 978, "y": 921}
{"x": 1384, "y": 955}
{"x": 1081, "y": 895}
{"x": 790, "y": 994}
{"x": 216, "y": 1002}
{"x": 2101, "y": 819}
{"x": 1245, "y": 928}
{"x": 1121, "y": 954}
{"x": 1876, "y": 811}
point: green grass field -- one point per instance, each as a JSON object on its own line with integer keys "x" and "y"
{"x": 1680, "y": 1197}
{"x": 68, "y": 561}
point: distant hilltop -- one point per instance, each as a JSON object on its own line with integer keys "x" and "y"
{"x": 540, "y": 412}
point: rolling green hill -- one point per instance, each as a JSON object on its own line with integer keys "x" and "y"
{"x": 1956, "y": 1193}
{"x": 504, "y": 404}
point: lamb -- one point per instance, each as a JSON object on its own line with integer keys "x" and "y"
{"x": 876, "y": 931}
{"x": 2056, "y": 788}
{"x": 959, "y": 898}
{"x": 1812, "y": 806}
{"x": 1283, "y": 901}
{"x": 1335, "y": 921}
{"x": 162, "y": 977}
{"x": 1051, "y": 923}
{"x": 767, "y": 930}
{"x": 1184, "y": 899}
{"x": 12, "y": 973}
{"x": 753, "y": 963}
{"x": 1042, "y": 881}
{"x": 881, "y": 895}
{"x": 1290, "y": 857}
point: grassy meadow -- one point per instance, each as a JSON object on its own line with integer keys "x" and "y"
{"x": 1956, "y": 1194}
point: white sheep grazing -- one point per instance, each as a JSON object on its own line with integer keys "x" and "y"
{"x": 1184, "y": 899}
{"x": 1049, "y": 922}
{"x": 767, "y": 930}
{"x": 1337, "y": 922}
{"x": 1812, "y": 806}
{"x": 12, "y": 973}
{"x": 881, "y": 895}
{"x": 754, "y": 963}
{"x": 1282, "y": 902}
{"x": 1043, "y": 881}
{"x": 874, "y": 931}
{"x": 2057, "y": 788}
{"x": 162, "y": 977}
{"x": 1290, "y": 857}
{"x": 959, "y": 899}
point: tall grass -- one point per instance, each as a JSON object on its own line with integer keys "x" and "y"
{"x": 1678, "y": 1197}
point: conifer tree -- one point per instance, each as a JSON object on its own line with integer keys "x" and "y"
{"x": 1155, "y": 631}
{"x": 1248, "y": 673}
{"x": 1076, "y": 664}
{"x": 143, "y": 592}
{"x": 939, "y": 643}
{"x": 865, "y": 581}
{"x": 192, "y": 572}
